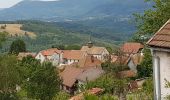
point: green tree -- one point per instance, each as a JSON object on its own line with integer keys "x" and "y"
{"x": 17, "y": 46}
{"x": 42, "y": 80}
{"x": 9, "y": 77}
{"x": 145, "y": 68}
{"x": 2, "y": 37}
{"x": 151, "y": 20}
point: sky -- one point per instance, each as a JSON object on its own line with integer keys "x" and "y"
{"x": 9, "y": 3}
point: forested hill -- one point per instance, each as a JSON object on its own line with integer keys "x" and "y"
{"x": 50, "y": 34}
{"x": 71, "y": 9}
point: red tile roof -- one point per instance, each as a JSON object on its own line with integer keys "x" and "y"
{"x": 94, "y": 50}
{"x": 89, "y": 61}
{"x": 127, "y": 74}
{"x": 69, "y": 75}
{"x": 122, "y": 59}
{"x": 131, "y": 47}
{"x": 25, "y": 54}
{"x": 93, "y": 91}
{"x": 161, "y": 37}
{"x": 74, "y": 54}
{"x": 50, "y": 52}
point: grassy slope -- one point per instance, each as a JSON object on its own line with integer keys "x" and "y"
{"x": 48, "y": 34}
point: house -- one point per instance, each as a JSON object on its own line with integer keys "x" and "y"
{"x": 100, "y": 53}
{"x": 74, "y": 73}
{"x": 89, "y": 62}
{"x": 93, "y": 91}
{"x": 90, "y": 74}
{"x": 122, "y": 60}
{"x": 21, "y": 55}
{"x": 69, "y": 78}
{"x": 126, "y": 74}
{"x": 72, "y": 56}
{"x": 134, "y": 61}
{"x": 160, "y": 48}
{"x": 52, "y": 55}
{"x": 131, "y": 48}
{"x": 136, "y": 85}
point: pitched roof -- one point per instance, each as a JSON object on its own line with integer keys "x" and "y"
{"x": 73, "y": 54}
{"x": 90, "y": 74}
{"x": 69, "y": 75}
{"x": 133, "y": 85}
{"x": 93, "y": 91}
{"x": 161, "y": 37}
{"x": 25, "y": 54}
{"x": 89, "y": 61}
{"x": 137, "y": 58}
{"x": 93, "y": 50}
{"x": 50, "y": 52}
{"x": 122, "y": 59}
{"x": 131, "y": 47}
{"x": 127, "y": 74}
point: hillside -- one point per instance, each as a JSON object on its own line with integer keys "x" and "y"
{"x": 71, "y": 9}
{"x": 49, "y": 34}
{"x": 110, "y": 28}
{"x": 15, "y": 30}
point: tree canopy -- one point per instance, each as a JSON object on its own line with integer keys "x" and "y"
{"x": 145, "y": 68}
{"x": 151, "y": 20}
{"x": 17, "y": 46}
{"x": 9, "y": 77}
{"x": 2, "y": 37}
{"x": 42, "y": 80}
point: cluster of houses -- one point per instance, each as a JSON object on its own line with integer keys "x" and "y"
{"x": 77, "y": 67}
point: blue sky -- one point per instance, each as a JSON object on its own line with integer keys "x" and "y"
{"x": 9, "y": 3}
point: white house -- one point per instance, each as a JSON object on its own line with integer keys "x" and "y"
{"x": 72, "y": 56}
{"x": 160, "y": 47}
{"x": 134, "y": 61}
{"x": 52, "y": 55}
{"x": 100, "y": 53}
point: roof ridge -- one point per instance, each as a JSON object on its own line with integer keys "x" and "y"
{"x": 157, "y": 32}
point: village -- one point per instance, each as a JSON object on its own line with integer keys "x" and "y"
{"x": 77, "y": 67}
{"x": 85, "y": 50}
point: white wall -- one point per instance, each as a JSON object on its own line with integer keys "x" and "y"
{"x": 132, "y": 66}
{"x": 40, "y": 57}
{"x": 70, "y": 61}
{"x": 164, "y": 71}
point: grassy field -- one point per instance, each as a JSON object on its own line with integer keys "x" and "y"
{"x": 14, "y": 30}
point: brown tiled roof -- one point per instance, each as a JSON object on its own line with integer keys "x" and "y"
{"x": 90, "y": 74}
{"x": 50, "y": 52}
{"x": 127, "y": 74}
{"x": 73, "y": 54}
{"x": 93, "y": 50}
{"x": 123, "y": 59}
{"x": 89, "y": 61}
{"x": 69, "y": 75}
{"x": 161, "y": 37}
{"x": 114, "y": 58}
{"x": 137, "y": 58}
{"x": 131, "y": 47}
{"x": 133, "y": 86}
{"x": 93, "y": 91}
{"x": 25, "y": 54}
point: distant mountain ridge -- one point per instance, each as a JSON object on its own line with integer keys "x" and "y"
{"x": 71, "y": 9}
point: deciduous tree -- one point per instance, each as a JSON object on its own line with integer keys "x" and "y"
{"x": 17, "y": 46}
